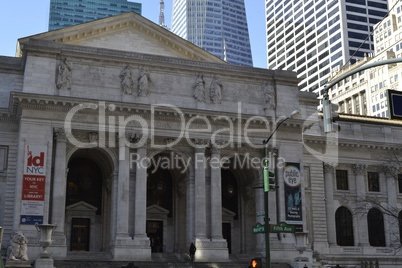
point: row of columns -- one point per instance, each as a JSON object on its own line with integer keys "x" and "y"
{"x": 361, "y": 233}
{"x": 196, "y": 196}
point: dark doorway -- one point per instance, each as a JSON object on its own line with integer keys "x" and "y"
{"x": 84, "y": 183}
{"x": 155, "y": 234}
{"x": 227, "y": 234}
{"x": 80, "y": 234}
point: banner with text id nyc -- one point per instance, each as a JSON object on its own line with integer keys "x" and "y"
{"x": 33, "y": 184}
{"x": 293, "y": 194}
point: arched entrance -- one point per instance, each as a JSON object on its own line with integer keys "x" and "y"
{"x": 88, "y": 200}
{"x": 238, "y": 204}
{"x": 166, "y": 203}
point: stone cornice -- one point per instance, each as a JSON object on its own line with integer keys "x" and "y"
{"x": 20, "y": 100}
{"x": 358, "y": 144}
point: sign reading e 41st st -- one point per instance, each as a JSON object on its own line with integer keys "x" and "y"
{"x": 258, "y": 228}
{"x": 282, "y": 227}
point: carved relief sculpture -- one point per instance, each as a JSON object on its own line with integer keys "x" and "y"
{"x": 269, "y": 96}
{"x": 143, "y": 82}
{"x": 216, "y": 90}
{"x": 64, "y": 72}
{"x": 17, "y": 250}
{"x": 126, "y": 82}
{"x": 199, "y": 88}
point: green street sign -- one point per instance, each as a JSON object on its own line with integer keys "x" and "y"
{"x": 260, "y": 213}
{"x": 282, "y": 227}
{"x": 258, "y": 228}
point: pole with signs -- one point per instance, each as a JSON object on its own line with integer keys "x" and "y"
{"x": 267, "y": 186}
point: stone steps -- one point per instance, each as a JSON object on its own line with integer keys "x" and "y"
{"x": 162, "y": 260}
{"x": 159, "y": 260}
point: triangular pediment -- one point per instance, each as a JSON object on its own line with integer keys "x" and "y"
{"x": 155, "y": 209}
{"x": 227, "y": 214}
{"x": 81, "y": 206}
{"x": 129, "y": 32}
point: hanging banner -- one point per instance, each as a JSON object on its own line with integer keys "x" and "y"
{"x": 33, "y": 184}
{"x": 293, "y": 194}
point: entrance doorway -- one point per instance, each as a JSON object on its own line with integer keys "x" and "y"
{"x": 155, "y": 234}
{"x": 226, "y": 233}
{"x": 80, "y": 234}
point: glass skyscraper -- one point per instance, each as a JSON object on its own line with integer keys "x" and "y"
{"x": 67, "y": 13}
{"x": 217, "y": 26}
{"x": 311, "y": 37}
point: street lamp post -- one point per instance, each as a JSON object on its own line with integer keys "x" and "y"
{"x": 279, "y": 122}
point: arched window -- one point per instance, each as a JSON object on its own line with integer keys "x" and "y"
{"x": 344, "y": 227}
{"x": 376, "y": 232}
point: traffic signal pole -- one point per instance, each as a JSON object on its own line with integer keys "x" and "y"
{"x": 266, "y": 175}
{"x": 266, "y": 208}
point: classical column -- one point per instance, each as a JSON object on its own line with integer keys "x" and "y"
{"x": 190, "y": 208}
{"x": 123, "y": 189}
{"x": 141, "y": 194}
{"x": 59, "y": 187}
{"x": 216, "y": 194}
{"x": 113, "y": 203}
{"x": 362, "y": 228}
{"x": 200, "y": 199}
{"x": 329, "y": 178}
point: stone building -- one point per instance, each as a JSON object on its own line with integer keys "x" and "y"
{"x": 134, "y": 141}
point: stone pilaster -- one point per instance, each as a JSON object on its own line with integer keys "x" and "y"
{"x": 359, "y": 171}
{"x": 123, "y": 190}
{"x": 329, "y": 178}
{"x": 200, "y": 195}
{"x": 59, "y": 192}
{"x": 391, "y": 223}
{"x": 141, "y": 196}
{"x": 216, "y": 195}
{"x": 216, "y": 202}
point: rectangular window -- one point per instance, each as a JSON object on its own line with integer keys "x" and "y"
{"x": 400, "y": 183}
{"x": 342, "y": 180}
{"x": 373, "y": 182}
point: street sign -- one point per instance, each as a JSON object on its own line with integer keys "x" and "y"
{"x": 258, "y": 228}
{"x": 282, "y": 227}
{"x": 260, "y": 213}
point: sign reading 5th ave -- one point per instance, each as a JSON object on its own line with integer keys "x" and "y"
{"x": 282, "y": 227}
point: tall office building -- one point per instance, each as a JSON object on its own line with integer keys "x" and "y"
{"x": 365, "y": 93}
{"x": 67, "y": 13}
{"x": 312, "y": 37}
{"x": 217, "y": 26}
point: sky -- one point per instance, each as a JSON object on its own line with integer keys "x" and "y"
{"x": 23, "y": 18}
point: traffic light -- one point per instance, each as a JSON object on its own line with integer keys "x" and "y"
{"x": 256, "y": 263}
{"x": 330, "y": 114}
{"x": 269, "y": 180}
{"x": 272, "y": 182}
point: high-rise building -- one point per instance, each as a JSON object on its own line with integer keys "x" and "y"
{"x": 67, "y": 13}
{"x": 217, "y": 26}
{"x": 312, "y": 37}
{"x": 365, "y": 92}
